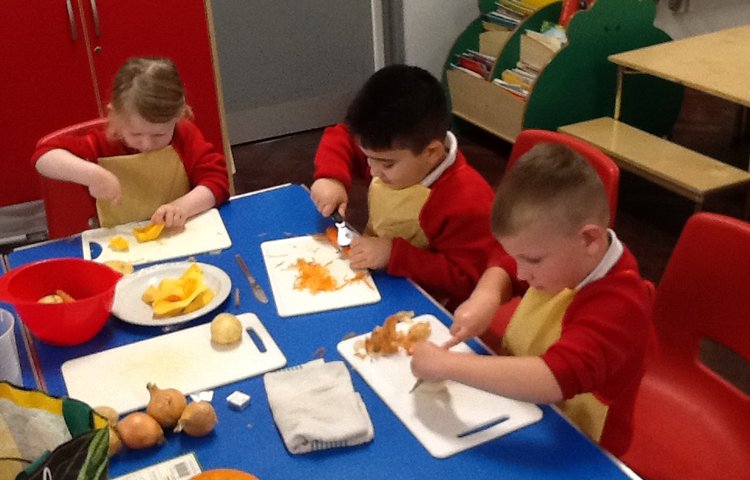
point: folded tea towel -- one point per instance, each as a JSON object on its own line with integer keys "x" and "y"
{"x": 315, "y": 407}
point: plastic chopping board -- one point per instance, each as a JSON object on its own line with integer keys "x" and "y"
{"x": 447, "y": 417}
{"x": 186, "y": 360}
{"x": 280, "y": 255}
{"x": 203, "y": 233}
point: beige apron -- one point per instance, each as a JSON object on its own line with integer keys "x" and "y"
{"x": 148, "y": 181}
{"x": 534, "y": 327}
{"x": 394, "y": 213}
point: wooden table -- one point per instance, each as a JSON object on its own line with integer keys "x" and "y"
{"x": 716, "y": 63}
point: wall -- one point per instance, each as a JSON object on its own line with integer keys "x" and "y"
{"x": 696, "y": 17}
{"x": 431, "y": 26}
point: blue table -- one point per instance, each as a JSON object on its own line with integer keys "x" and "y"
{"x": 248, "y": 440}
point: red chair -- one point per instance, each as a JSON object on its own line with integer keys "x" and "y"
{"x": 690, "y": 422}
{"x": 69, "y": 207}
{"x": 608, "y": 171}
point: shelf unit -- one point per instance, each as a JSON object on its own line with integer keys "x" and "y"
{"x": 578, "y": 84}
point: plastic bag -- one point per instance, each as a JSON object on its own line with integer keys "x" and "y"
{"x": 46, "y": 437}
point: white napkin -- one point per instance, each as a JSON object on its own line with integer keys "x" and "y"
{"x": 315, "y": 407}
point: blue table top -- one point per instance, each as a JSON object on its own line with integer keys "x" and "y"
{"x": 248, "y": 440}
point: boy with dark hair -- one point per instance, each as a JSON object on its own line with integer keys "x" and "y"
{"x": 580, "y": 335}
{"x": 428, "y": 209}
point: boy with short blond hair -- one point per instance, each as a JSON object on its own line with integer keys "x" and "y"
{"x": 429, "y": 210}
{"x": 580, "y": 335}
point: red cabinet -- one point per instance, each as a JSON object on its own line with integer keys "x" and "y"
{"x": 62, "y": 55}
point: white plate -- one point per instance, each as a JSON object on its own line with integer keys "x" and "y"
{"x": 129, "y": 307}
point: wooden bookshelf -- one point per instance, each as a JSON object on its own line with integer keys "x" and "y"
{"x": 578, "y": 83}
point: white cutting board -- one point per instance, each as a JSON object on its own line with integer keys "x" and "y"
{"x": 447, "y": 419}
{"x": 205, "y": 232}
{"x": 186, "y": 360}
{"x": 279, "y": 255}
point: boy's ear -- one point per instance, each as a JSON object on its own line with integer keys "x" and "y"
{"x": 593, "y": 236}
{"x": 434, "y": 151}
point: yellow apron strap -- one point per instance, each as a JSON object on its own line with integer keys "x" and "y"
{"x": 395, "y": 213}
{"x": 148, "y": 180}
{"x": 534, "y": 327}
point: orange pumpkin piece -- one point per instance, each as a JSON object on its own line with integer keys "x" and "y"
{"x": 149, "y": 232}
{"x": 119, "y": 244}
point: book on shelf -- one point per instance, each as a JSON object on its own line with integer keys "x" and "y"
{"x": 476, "y": 62}
{"x": 515, "y": 77}
{"x": 512, "y": 88}
{"x": 523, "y": 7}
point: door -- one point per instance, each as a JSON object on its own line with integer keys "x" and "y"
{"x": 177, "y": 29}
{"x": 45, "y": 84}
{"x": 293, "y": 66}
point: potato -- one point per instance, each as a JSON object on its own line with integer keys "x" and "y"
{"x": 226, "y": 329}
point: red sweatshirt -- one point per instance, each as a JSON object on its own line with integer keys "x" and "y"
{"x": 203, "y": 165}
{"x": 455, "y": 218}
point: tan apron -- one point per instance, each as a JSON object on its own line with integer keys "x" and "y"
{"x": 148, "y": 181}
{"x": 394, "y": 213}
{"x": 534, "y": 327}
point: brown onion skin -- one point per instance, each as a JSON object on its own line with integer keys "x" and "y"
{"x": 198, "y": 419}
{"x": 165, "y": 405}
{"x": 140, "y": 430}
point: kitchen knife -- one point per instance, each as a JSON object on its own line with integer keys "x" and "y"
{"x": 416, "y": 384}
{"x": 345, "y": 235}
{"x": 257, "y": 289}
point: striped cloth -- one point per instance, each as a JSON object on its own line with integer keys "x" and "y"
{"x": 315, "y": 407}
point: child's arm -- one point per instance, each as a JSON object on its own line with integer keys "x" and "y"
{"x": 522, "y": 378}
{"x": 329, "y": 195}
{"x": 177, "y": 212}
{"x": 474, "y": 316}
{"x": 60, "y": 164}
{"x": 337, "y": 159}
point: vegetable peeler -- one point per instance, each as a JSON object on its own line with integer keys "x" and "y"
{"x": 345, "y": 234}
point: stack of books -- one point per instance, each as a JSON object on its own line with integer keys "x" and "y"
{"x": 537, "y": 50}
{"x": 508, "y": 15}
{"x": 474, "y": 63}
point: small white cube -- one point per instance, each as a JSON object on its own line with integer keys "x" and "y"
{"x": 238, "y": 400}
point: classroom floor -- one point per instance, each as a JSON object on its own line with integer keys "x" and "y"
{"x": 649, "y": 218}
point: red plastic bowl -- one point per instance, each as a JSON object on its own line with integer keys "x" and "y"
{"x": 91, "y": 284}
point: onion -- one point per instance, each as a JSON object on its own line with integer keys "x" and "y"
{"x": 109, "y": 413}
{"x": 140, "y": 430}
{"x": 198, "y": 419}
{"x": 115, "y": 444}
{"x": 166, "y": 405}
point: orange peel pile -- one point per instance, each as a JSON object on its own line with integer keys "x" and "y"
{"x": 316, "y": 277}
{"x": 388, "y": 339}
{"x": 177, "y": 296}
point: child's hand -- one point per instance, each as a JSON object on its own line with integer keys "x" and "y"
{"x": 105, "y": 186}
{"x": 472, "y": 317}
{"x": 370, "y": 252}
{"x": 329, "y": 195}
{"x": 428, "y": 360}
{"x": 170, "y": 215}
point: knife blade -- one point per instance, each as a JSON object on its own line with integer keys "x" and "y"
{"x": 345, "y": 234}
{"x": 257, "y": 289}
{"x": 416, "y": 384}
